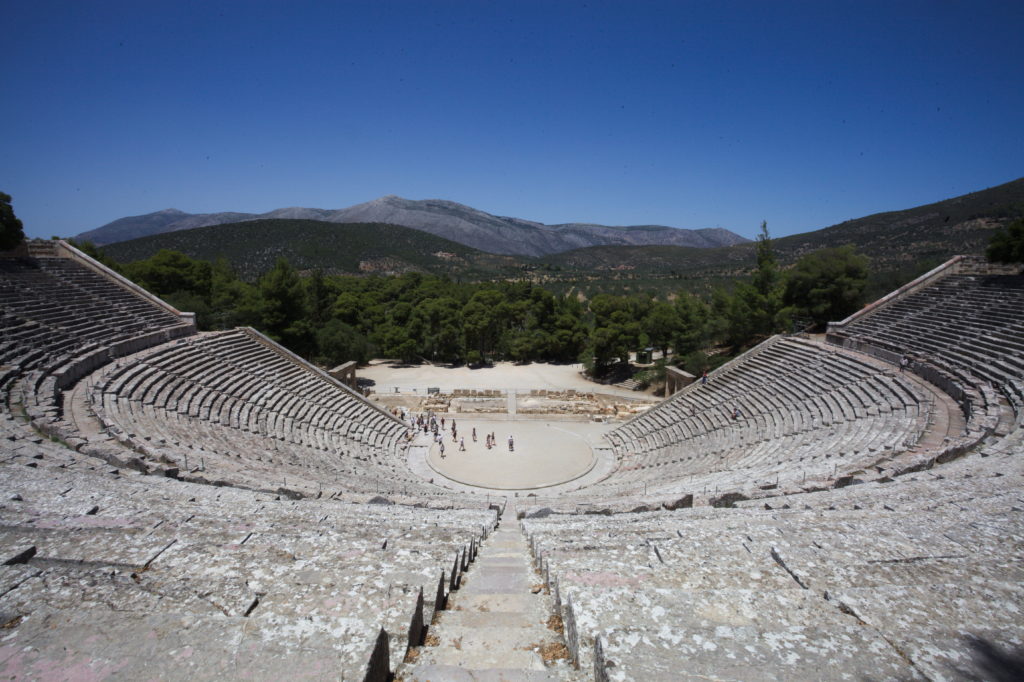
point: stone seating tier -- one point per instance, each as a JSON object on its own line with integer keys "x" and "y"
{"x": 226, "y": 406}
{"x": 805, "y": 412}
{"x": 905, "y": 569}
{"x": 220, "y": 567}
{"x": 967, "y": 325}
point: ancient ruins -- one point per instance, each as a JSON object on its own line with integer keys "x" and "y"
{"x": 177, "y": 504}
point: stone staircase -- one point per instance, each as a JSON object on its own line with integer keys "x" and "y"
{"x": 499, "y": 626}
{"x": 628, "y": 384}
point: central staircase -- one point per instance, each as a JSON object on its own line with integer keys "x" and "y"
{"x": 500, "y": 625}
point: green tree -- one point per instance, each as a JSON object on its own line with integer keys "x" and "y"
{"x": 569, "y": 332}
{"x": 170, "y": 272}
{"x": 661, "y": 325}
{"x": 233, "y": 303}
{"x": 11, "y": 229}
{"x": 692, "y": 333}
{"x": 281, "y": 309}
{"x": 1007, "y": 244}
{"x": 766, "y": 277}
{"x": 482, "y": 322}
{"x": 755, "y": 309}
{"x": 94, "y": 252}
{"x": 339, "y": 342}
{"x": 318, "y": 299}
{"x": 827, "y": 284}
{"x": 616, "y": 330}
{"x": 442, "y": 332}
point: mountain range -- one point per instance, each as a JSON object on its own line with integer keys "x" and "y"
{"x": 900, "y": 245}
{"x": 448, "y": 219}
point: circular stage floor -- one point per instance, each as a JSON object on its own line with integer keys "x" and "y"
{"x": 545, "y": 454}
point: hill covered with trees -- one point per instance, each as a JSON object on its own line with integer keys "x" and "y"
{"x": 415, "y": 316}
{"x": 253, "y": 247}
{"x": 335, "y": 292}
{"x": 899, "y": 245}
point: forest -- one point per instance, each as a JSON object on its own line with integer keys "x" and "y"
{"x": 414, "y": 317}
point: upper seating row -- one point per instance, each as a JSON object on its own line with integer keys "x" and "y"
{"x": 235, "y": 407}
{"x": 969, "y": 326}
{"x": 47, "y": 315}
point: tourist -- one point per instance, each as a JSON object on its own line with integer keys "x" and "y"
{"x": 511, "y": 445}
{"x": 462, "y": 445}
{"x": 442, "y": 423}
{"x": 441, "y": 447}
{"x": 904, "y": 361}
{"x": 704, "y": 378}
{"x": 735, "y": 413}
{"x": 474, "y": 434}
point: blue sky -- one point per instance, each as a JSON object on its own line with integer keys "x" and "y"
{"x": 692, "y": 114}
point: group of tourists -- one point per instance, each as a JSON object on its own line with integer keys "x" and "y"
{"x": 434, "y": 425}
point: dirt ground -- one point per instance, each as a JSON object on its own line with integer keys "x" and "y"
{"x": 387, "y": 375}
{"x": 544, "y": 454}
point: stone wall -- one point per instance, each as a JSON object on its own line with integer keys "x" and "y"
{"x": 676, "y": 380}
{"x": 346, "y": 373}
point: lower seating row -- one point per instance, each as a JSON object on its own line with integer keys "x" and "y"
{"x": 145, "y": 577}
{"x": 882, "y": 580}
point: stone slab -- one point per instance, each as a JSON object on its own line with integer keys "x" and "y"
{"x": 748, "y": 654}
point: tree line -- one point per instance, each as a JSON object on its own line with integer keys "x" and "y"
{"x": 415, "y": 317}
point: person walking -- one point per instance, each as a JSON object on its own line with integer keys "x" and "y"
{"x": 511, "y": 445}
{"x": 462, "y": 445}
{"x": 474, "y": 434}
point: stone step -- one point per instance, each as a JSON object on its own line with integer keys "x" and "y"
{"x": 487, "y": 603}
{"x": 489, "y": 647}
{"x": 451, "y": 673}
{"x": 496, "y": 625}
{"x": 489, "y": 618}
{"x": 502, "y": 580}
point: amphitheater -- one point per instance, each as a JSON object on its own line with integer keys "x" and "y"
{"x": 180, "y": 505}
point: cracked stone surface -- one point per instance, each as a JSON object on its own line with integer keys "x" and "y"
{"x": 209, "y": 506}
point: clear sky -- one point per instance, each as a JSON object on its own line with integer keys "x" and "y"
{"x": 691, "y": 114}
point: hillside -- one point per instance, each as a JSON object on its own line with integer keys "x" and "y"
{"x": 252, "y": 247}
{"x": 896, "y": 241}
{"x": 447, "y": 219}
